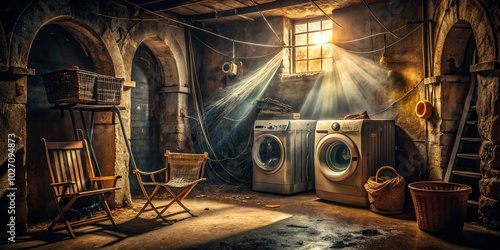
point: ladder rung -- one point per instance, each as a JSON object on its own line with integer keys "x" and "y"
{"x": 473, "y": 203}
{"x": 472, "y": 107}
{"x": 469, "y": 156}
{"x": 471, "y": 122}
{"x": 470, "y": 174}
{"x": 471, "y": 139}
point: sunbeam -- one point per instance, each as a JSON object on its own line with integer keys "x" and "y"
{"x": 351, "y": 87}
{"x": 229, "y": 108}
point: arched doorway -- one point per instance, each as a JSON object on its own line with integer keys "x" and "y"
{"x": 471, "y": 16}
{"x": 53, "y": 48}
{"x": 144, "y": 125}
{"x": 462, "y": 163}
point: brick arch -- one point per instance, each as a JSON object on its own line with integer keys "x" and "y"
{"x": 100, "y": 55}
{"x": 477, "y": 17}
{"x": 96, "y": 36}
{"x": 487, "y": 106}
{"x": 165, "y": 43}
{"x": 93, "y": 33}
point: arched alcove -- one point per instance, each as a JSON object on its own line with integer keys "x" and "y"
{"x": 166, "y": 43}
{"x": 466, "y": 37}
{"x": 61, "y": 45}
{"x": 144, "y": 108}
{"x": 56, "y": 46}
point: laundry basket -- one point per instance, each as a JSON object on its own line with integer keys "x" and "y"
{"x": 69, "y": 86}
{"x": 108, "y": 90}
{"x": 440, "y": 206}
{"x": 385, "y": 194}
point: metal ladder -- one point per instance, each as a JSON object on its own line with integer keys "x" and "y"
{"x": 463, "y": 166}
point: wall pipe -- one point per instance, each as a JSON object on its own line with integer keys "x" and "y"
{"x": 425, "y": 64}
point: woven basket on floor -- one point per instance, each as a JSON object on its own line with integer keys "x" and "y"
{"x": 440, "y": 206}
{"x": 386, "y": 195}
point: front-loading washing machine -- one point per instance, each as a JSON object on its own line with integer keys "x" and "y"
{"x": 347, "y": 153}
{"x": 282, "y": 156}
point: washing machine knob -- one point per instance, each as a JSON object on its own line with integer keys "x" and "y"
{"x": 336, "y": 126}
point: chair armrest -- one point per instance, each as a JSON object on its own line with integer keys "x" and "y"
{"x": 109, "y": 178}
{"x": 66, "y": 183}
{"x": 105, "y": 178}
{"x": 136, "y": 171}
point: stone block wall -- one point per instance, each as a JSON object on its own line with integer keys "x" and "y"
{"x": 489, "y": 125}
{"x": 111, "y": 50}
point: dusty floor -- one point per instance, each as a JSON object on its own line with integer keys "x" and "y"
{"x": 233, "y": 217}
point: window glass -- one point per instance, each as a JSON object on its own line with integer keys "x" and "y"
{"x": 301, "y": 53}
{"x": 301, "y": 39}
{"x": 326, "y": 50}
{"x": 327, "y": 24}
{"x": 314, "y": 26}
{"x": 314, "y": 65}
{"x": 327, "y": 35}
{"x": 301, "y": 28}
{"x": 314, "y": 52}
{"x": 301, "y": 66}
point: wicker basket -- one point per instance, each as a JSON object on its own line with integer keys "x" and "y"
{"x": 386, "y": 195}
{"x": 108, "y": 90}
{"x": 69, "y": 86}
{"x": 440, "y": 206}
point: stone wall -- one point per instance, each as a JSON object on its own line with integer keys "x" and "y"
{"x": 111, "y": 45}
{"x": 481, "y": 17}
{"x": 488, "y": 108}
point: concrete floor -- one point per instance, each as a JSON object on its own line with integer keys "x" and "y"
{"x": 237, "y": 218}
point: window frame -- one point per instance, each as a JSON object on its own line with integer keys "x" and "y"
{"x": 309, "y": 44}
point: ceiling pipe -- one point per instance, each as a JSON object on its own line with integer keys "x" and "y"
{"x": 425, "y": 39}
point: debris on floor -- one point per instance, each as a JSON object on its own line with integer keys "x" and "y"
{"x": 272, "y": 206}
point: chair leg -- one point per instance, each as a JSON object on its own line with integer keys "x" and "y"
{"x": 108, "y": 211}
{"x": 178, "y": 198}
{"x": 149, "y": 202}
{"x": 69, "y": 229}
{"x": 60, "y": 217}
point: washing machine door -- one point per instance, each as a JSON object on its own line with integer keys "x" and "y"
{"x": 268, "y": 153}
{"x": 337, "y": 157}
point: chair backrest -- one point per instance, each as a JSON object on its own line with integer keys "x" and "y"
{"x": 69, "y": 161}
{"x": 185, "y": 167}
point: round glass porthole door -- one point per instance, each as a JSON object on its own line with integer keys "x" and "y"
{"x": 338, "y": 157}
{"x": 268, "y": 153}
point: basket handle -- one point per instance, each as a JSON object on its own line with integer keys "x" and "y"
{"x": 384, "y": 168}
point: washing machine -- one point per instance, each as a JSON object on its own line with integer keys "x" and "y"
{"x": 347, "y": 153}
{"x": 282, "y": 156}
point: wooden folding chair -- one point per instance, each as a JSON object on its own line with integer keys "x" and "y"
{"x": 73, "y": 183}
{"x": 182, "y": 172}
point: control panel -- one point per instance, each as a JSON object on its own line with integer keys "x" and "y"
{"x": 271, "y": 125}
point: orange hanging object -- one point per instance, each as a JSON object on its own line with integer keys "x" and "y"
{"x": 424, "y": 109}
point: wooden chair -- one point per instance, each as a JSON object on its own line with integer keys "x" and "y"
{"x": 182, "y": 172}
{"x": 73, "y": 182}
